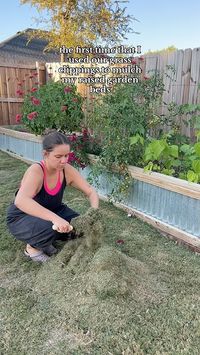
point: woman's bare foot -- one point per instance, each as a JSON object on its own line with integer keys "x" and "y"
{"x": 31, "y": 250}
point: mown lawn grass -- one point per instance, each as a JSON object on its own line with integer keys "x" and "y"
{"x": 138, "y": 298}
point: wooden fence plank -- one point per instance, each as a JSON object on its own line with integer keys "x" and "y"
{"x": 14, "y": 77}
{"x": 181, "y": 87}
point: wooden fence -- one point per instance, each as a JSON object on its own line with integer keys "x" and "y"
{"x": 181, "y": 85}
{"x": 15, "y": 80}
{"x": 181, "y": 79}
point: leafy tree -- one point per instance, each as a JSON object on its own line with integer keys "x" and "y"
{"x": 169, "y": 49}
{"x": 82, "y": 22}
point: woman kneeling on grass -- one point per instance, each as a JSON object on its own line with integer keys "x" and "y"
{"x": 38, "y": 201}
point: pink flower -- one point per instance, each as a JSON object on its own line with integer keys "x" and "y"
{"x": 33, "y": 89}
{"x": 35, "y": 101}
{"x": 64, "y": 108}
{"x": 133, "y": 61}
{"x": 146, "y": 78}
{"x": 75, "y": 99}
{"x": 32, "y": 115}
{"x": 67, "y": 89}
{"x": 18, "y": 118}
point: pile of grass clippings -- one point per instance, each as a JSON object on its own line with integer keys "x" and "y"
{"x": 96, "y": 296}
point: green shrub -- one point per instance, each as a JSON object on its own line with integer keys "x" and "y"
{"x": 53, "y": 105}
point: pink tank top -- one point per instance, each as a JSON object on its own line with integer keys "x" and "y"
{"x": 57, "y": 188}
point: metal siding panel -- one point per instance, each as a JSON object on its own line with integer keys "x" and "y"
{"x": 170, "y": 207}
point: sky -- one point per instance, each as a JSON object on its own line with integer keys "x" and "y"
{"x": 161, "y": 23}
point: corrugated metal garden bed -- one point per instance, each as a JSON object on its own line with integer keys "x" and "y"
{"x": 170, "y": 204}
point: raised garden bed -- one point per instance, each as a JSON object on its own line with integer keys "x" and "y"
{"x": 170, "y": 204}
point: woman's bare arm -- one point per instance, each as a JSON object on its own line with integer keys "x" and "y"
{"x": 75, "y": 179}
{"x": 24, "y": 198}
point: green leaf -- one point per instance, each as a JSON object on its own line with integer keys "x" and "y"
{"x": 196, "y": 166}
{"x": 167, "y": 171}
{"x": 141, "y": 140}
{"x": 185, "y": 148}
{"x": 176, "y": 162}
{"x": 173, "y": 150}
{"x": 148, "y": 167}
{"x": 157, "y": 147}
{"x": 191, "y": 176}
{"x": 197, "y": 149}
{"x": 134, "y": 139}
{"x": 182, "y": 176}
{"x": 197, "y": 134}
{"x": 196, "y": 120}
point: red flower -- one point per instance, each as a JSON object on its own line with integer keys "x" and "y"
{"x": 33, "y": 89}
{"x": 84, "y": 131}
{"x": 73, "y": 138}
{"x": 120, "y": 241}
{"x": 64, "y": 108}
{"x": 67, "y": 89}
{"x": 78, "y": 160}
{"x": 18, "y": 118}
{"x": 19, "y": 92}
{"x": 133, "y": 61}
{"x": 71, "y": 157}
{"x": 32, "y": 115}
{"x": 146, "y": 78}
{"x": 35, "y": 101}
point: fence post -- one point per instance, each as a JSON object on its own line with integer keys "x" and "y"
{"x": 40, "y": 67}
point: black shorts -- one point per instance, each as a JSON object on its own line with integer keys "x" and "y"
{"x": 34, "y": 230}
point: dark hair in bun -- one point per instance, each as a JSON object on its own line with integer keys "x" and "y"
{"x": 52, "y": 138}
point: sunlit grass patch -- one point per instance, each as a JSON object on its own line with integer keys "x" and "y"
{"x": 139, "y": 297}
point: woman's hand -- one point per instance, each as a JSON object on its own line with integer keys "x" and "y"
{"x": 61, "y": 225}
